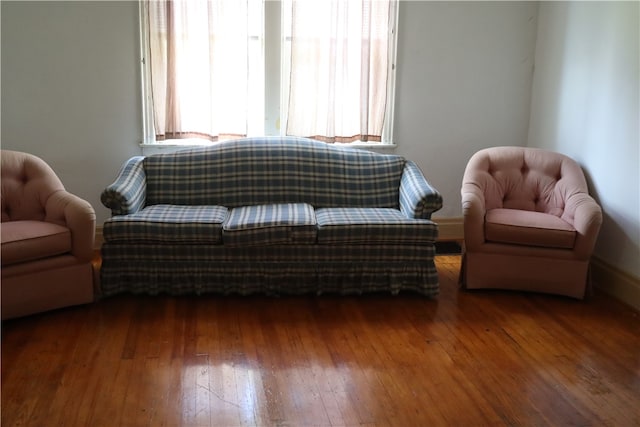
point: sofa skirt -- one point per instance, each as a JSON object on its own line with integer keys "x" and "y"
{"x": 270, "y": 270}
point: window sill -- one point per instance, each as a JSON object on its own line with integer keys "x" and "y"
{"x": 175, "y": 145}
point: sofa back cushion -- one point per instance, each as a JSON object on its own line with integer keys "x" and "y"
{"x": 268, "y": 170}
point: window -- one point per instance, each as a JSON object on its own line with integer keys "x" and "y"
{"x": 223, "y": 69}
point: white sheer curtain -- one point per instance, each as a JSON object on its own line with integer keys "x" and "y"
{"x": 339, "y": 69}
{"x": 202, "y": 65}
{"x": 205, "y": 69}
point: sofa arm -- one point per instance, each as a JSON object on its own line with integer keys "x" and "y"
{"x": 584, "y": 213}
{"x": 473, "y": 212}
{"x": 77, "y": 215}
{"x": 418, "y": 199}
{"x": 127, "y": 194}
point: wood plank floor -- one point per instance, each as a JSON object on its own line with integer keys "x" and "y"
{"x": 463, "y": 359}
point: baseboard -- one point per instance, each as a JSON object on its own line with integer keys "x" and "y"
{"x": 615, "y": 282}
{"x": 450, "y": 229}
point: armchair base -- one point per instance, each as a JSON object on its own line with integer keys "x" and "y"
{"x": 568, "y": 277}
{"x": 25, "y": 293}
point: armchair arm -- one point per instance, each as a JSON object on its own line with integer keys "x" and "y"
{"x": 127, "y": 194}
{"x": 585, "y": 214}
{"x": 418, "y": 199}
{"x": 473, "y": 211}
{"x": 79, "y": 216}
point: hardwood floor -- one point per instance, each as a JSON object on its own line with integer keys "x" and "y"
{"x": 462, "y": 359}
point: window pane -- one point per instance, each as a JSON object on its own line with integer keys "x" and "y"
{"x": 339, "y": 69}
{"x": 204, "y": 71}
{"x": 206, "y": 67}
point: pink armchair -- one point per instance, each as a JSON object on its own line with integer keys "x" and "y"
{"x": 529, "y": 222}
{"x": 47, "y": 239}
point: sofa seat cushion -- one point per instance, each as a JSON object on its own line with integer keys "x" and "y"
{"x": 529, "y": 228}
{"x": 270, "y": 225}
{"x": 168, "y": 224}
{"x": 372, "y": 225}
{"x": 31, "y": 240}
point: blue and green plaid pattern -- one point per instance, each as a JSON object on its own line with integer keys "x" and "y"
{"x": 238, "y": 217}
{"x": 418, "y": 199}
{"x": 373, "y": 225}
{"x": 168, "y": 224}
{"x": 270, "y": 224}
{"x": 273, "y": 270}
{"x": 127, "y": 194}
{"x": 258, "y": 171}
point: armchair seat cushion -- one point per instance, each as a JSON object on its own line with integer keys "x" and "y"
{"x": 272, "y": 224}
{"x": 372, "y": 225}
{"x": 521, "y": 227}
{"x": 168, "y": 224}
{"x": 32, "y": 240}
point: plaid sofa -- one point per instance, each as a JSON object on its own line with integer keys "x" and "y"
{"x": 271, "y": 216}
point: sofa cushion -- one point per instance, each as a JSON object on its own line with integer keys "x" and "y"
{"x": 30, "y": 240}
{"x": 372, "y": 225}
{"x": 270, "y": 225}
{"x": 274, "y": 170}
{"x": 168, "y": 223}
{"x": 529, "y": 228}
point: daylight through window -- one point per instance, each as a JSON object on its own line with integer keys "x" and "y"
{"x": 204, "y": 73}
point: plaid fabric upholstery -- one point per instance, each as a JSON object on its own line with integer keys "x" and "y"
{"x": 279, "y": 269}
{"x": 168, "y": 224}
{"x": 376, "y": 237}
{"x": 418, "y": 199}
{"x": 120, "y": 252}
{"x": 270, "y": 224}
{"x": 127, "y": 194}
{"x": 257, "y": 171}
{"x": 372, "y": 225}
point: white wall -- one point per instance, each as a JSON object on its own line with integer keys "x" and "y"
{"x": 464, "y": 79}
{"x": 585, "y": 104}
{"x": 70, "y": 88}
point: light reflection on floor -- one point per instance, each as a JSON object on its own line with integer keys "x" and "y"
{"x": 241, "y": 395}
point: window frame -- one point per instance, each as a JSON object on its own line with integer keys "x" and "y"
{"x": 274, "y": 57}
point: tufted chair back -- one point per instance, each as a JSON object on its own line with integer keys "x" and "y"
{"x": 527, "y": 179}
{"x": 31, "y": 191}
{"x": 27, "y": 184}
